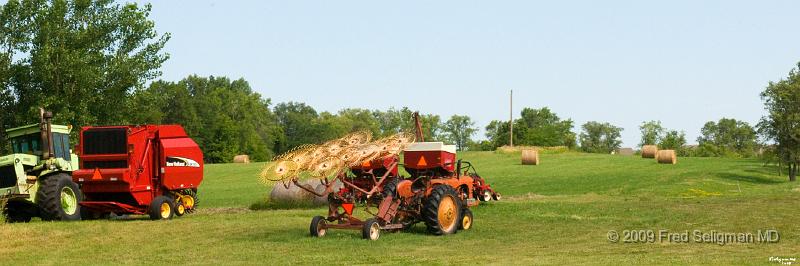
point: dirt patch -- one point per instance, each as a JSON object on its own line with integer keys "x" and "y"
{"x": 578, "y": 198}
{"x": 225, "y": 210}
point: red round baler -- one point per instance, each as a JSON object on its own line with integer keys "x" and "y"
{"x": 152, "y": 169}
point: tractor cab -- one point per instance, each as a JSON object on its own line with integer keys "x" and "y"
{"x": 37, "y": 151}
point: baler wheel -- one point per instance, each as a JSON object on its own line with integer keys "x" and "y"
{"x": 371, "y": 229}
{"x": 466, "y": 220}
{"x": 179, "y": 209}
{"x": 192, "y": 193}
{"x": 58, "y": 198}
{"x": 161, "y": 208}
{"x": 442, "y": 210}
{"x": 318, "y": 226}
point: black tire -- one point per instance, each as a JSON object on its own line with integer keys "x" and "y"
{"x": 430, "y": 213}
{"x": 390, "y": 188}
{"x": 156, "y": 212}
{"x": 466, "y": 220}
{"x": 371, "y": 229}
{"x": 17, "y": 212}
{"x": 318, "y": 228}
{"x": 49, "y": 198}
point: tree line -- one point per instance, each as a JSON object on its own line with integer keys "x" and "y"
{"x": 94, "y": 62}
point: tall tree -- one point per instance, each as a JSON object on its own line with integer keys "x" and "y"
{"x": 600, "y": 137}
{"x": 79, "y": 59}
{"x": 459, "y": 130}
{"x": 782, "y": 123}
{"x": 542, "y": 127}
{"x": 652, "y": 132}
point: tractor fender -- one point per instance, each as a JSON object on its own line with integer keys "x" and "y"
{"x": 404, "y": 189}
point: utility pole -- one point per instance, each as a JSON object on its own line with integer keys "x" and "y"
{"x": 511, "y": 119}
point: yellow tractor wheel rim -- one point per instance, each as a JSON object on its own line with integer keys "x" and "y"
{"x": 165, "y": 209}
{"x": 466, "y": 223}
{"x": 447, "y": 213}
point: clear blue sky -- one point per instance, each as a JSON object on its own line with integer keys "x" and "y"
{"x": 623, "y": 62}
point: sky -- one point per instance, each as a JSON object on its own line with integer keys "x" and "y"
{"x": 683, "y": 63}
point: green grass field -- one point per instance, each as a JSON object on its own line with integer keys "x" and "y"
{"x": 559, "y": 212}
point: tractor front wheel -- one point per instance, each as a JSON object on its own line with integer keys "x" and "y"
{"x": 442, "y": 210}
{"x": 371, "y": 229}
{"x": 161, "y": 208}
{"x": 318, "y": 226}
{"x": 487, "y": 196}
{"x": 58, "y": 198}
{"x": 466, "y": 220}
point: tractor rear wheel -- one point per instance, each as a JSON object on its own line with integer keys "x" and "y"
{"x": 162, "y": 208}
{"x": 466, "y": 220}
{"x": 318, "y": 226}
{"x": 371, "y": 229}
{"x": 58, "y": 198}
{"x": 442, "y": 210}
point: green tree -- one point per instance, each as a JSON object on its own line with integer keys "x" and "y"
{"x": 599, "y": 137}
{"x": 79, "y": 59}
{"x": 652, "y": 132}
{"x": 459, "y": 130}
{"x": 782, "y": 123}
{"x": 542, "y": 127}
{"x": 727, "y": 137}
{"x": 393, "y": 121}
{"x": 673, "y": 140}
{"x": 224, "y": 117}
{"x": 497, "y": 133}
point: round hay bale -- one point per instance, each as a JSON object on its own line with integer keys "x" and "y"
{"x": 294, "y": 194}
{"x": 649, "y": 151}
{"x": 241, "y": 159}
{"x": 530, "y": 157}
{"x": 667, "y": 157}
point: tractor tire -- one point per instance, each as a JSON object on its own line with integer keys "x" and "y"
{"x": 58, "y": 198}
{"x": 17, "y": 212}
{"x": 318, "y": 226}
{"x": 390, "y": 188}
{"x": 371, "y": 229}
{"x": 442, "y": 210}
{"x": 466, "y": 220}
{"x": 162, "y": 208}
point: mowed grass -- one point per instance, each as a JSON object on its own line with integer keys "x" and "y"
{"x": 559, "y": 212}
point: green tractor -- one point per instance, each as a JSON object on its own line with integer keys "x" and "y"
{"x": 36, "y": 180}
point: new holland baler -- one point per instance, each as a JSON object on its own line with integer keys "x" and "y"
{"x": 152, "y": 169}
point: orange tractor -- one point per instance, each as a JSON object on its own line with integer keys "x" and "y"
{"x": 439, "y": 192}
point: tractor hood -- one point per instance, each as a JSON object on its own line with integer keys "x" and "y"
{"x": 19, "y": 158}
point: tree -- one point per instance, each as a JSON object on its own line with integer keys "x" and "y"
{"x": 224, "y": 117}
{"x": 782, "y": 123}
{"x": 600, "y": 137}
{"x": 79, "y": 59}
{"x": 542, "y": 127}
{"x": 301, "y": 125}
{"x": 497, "y": 133}
{"x": 673, "y": 140}
{"x": 652, "y": 132}
{"x": 727, "y": 137}
{"x": 394, "y": 121}
{"x": 459, "y": 130}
